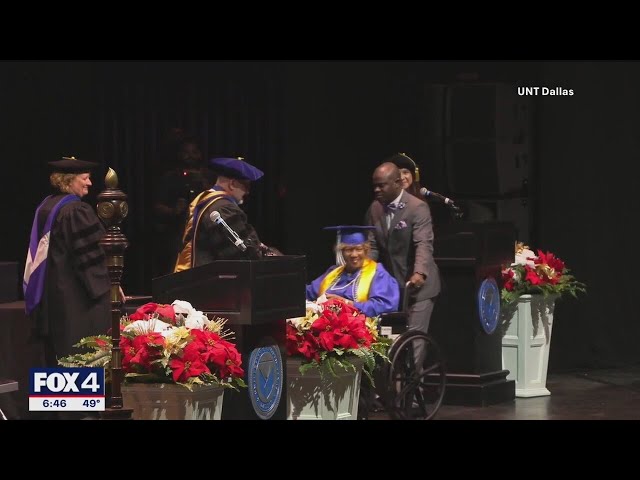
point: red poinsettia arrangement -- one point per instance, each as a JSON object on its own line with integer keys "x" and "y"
{"x": 168, "y": 344}
{"x": 543, "y": 273}
{"x": 332, "y": 334}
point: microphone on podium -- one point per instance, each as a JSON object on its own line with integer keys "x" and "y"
{"x": 446, "y": 200}
{"x": 234, "y": 237}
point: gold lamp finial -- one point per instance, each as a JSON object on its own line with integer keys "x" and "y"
{"x": 111, "y": 179}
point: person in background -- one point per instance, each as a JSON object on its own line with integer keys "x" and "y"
{"x": 410, "y": 177}
{"x": 66, "y": 282}
{"x": 204, "y": 240}
{"x": 409, "y": 173}
{"x": 186, "y": 177}
{"x": 360, "y": 282}
{"x": 403, "y": 243}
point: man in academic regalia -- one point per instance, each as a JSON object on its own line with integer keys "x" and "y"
{"x": 205, "y": 239}
{"x": 66, "y": 281}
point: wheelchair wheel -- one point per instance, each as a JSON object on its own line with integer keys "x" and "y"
{"x": 416, "y": 377}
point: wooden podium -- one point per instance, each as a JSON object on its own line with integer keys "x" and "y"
{"x": 468, "y": 253}
{"x": 257, "y": 296}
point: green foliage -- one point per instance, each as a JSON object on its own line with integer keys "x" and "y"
{"x": 333, "y": 363}
{"x": 99, "y": 356}
{"x": 566, "y": 284}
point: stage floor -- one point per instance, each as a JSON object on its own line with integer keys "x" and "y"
{"x": 611, "y": 394}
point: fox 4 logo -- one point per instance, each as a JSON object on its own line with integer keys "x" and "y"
{"x": 74, "y": 381}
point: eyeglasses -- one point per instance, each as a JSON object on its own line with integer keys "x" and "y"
{"x": 356, "y": 249}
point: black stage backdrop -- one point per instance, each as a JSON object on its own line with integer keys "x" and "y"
{"x": 318, "y": 129}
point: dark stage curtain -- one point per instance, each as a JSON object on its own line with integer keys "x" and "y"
{"x": 234, "y": 109}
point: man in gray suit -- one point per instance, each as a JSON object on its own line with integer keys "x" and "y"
{"x": 403, "y": 243}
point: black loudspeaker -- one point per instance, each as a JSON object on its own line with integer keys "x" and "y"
{"x": 9, "y": 282}
{"x": 487, "y": 140}
{"x": 487, "y": 169}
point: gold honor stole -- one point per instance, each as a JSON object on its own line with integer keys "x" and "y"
{"x": 367, "y": 272}
{"x": 187, "y": 257}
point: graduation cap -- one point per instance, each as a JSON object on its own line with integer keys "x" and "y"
{"x": 235, "y": 168}
{"x": 349, "y": 235}
{"x": 402, "y": 160}
{"x": 73, "y": 165}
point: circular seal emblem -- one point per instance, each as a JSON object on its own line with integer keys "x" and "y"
{"x": 106, "y": 210}
{"x": 489, "y": 304}
{"x": 265, "y": 378}
{"x": 124, "y": 209}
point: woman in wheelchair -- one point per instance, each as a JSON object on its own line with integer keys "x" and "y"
{"x": 407, "y": 388}
{"x": 359, "y": 281}
{"x": 356, "y": 279}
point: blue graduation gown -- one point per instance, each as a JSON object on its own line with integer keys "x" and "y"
{"x": 384, "y": 293}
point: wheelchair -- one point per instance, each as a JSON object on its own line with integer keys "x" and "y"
{"x": 412, "y": 385}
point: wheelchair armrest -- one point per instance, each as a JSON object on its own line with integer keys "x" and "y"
{"x": 399, "y": 318}
{"x": 393, "y": 318}
{"x": 396, "y": 322}
{"x": 392, "y": 324}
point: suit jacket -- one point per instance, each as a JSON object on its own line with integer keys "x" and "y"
{"x": 407, "y": 246}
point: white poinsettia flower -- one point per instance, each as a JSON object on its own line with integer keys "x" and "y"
{"x": 148, "y": 326}
{"x": 180, "y": 306}
{"x": 296, "y": 321}
{"x": 526, "y": 257}
{"x": 316, "y": 307}
{"x": 196, "y": 319}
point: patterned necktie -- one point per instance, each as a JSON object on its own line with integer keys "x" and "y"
{"x": 389, "y": 210}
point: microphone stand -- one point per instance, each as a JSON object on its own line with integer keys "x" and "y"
{"x": 252, "y": 251}
{"x": 456, "y": 211}
{"x": 249, "y": 248}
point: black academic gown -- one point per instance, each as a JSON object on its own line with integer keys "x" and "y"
{"x": 76, "y": 301}
{"x": 212, "y": 241}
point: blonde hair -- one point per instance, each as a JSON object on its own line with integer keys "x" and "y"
{"x": 62, "y": 181}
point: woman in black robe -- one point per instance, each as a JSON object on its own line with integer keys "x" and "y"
{"x": 66, "y": 280}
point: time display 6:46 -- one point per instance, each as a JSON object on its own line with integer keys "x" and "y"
{"x": 69, "y": 404}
